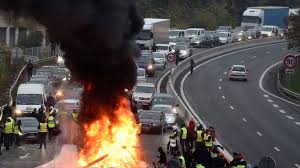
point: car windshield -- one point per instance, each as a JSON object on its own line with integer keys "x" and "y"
{"x": 191, "y": 32}
{"x": 39, "y": 81}
{"x": 159, "y": 47}
{"x": 158, "y": 55}
{"x": 238, "y": 68}
{"x": 29, "y": 99}
{"x": 166, "y": 110}
{"x": 47, "y": 73}
{"x": 180, "y": 47}
{"x": 250, "y": 19}
{"x": 173, "y": 32}
{"x": 141, "y": 72}
{"x": 269, "y": 29}
{"x": 145, "y": 89}
{"x": 223, "y": 35}
{"x": 167, "y": 101}
{"x": 237, "y": 29}
{"x": 29, "y": 122}
{"x": 152, "y": 116}
{"x": 144, "y": 59}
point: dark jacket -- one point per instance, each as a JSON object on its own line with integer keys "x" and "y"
{"x": 218, "y": 162}
{"x": 202, "y": 156}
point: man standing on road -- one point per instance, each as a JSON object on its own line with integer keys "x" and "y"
{"x": 29, "y": 69}
{"x": 51, "y": 126}
{"x": 8, "y": 133}
{"x": 177, "y": 52}
{"x": 75, "y": 115}
{"x": 199, "y": 136}
{"x": 192, "y": 65}
{"x": 42, "y": 133}
{"x": 191, "y": 133}
{"x": 17, "y": 131}
{"x": 183, "y": 138}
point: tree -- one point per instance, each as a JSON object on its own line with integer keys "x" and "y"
{"x": 34, "y": 39}
{"x": 293, "y": 34}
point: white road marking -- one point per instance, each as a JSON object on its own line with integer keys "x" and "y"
{"x": 258, "y": 133}
{"x": 282, "y": 111}
{"x": 25, "y": 156}
{"x": 266, "y": 95}
{"x": 297, "y": 165}
{"x": 283, "y": 48}
{"x": 242, "y": 61}
{"x": 297, "y": 123}
{"x": 253, "y": 57}
{"x": 270, "y": 101}
{"x": 225, "y": 73}
{"x": 263, "y": 89}
{"x": 232, "y": 107}
{"x": 275, "y": 105}
{"x": 220, "y": 80}
{"x": 277, "y": 149}
{"x": 223, "y": 97}
{"x": 268, "y": 52}
{"x": 289, "y": 117}
{"x": 244, "y": 119}
{"x": 220, "y": 88}
{"x": 160, "y": 81}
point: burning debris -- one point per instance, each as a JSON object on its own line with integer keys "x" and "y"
{"x": 97, "y": 36}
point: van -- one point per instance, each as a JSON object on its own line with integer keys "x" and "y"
{"x": 29, "y": 97}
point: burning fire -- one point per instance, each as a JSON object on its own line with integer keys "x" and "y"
{"x": 115, "y": 137}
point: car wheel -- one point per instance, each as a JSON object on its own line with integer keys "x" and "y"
{"x": 212, "y": 45}
{"x": 245, "y": 80}
{"x": 230, "y": 79}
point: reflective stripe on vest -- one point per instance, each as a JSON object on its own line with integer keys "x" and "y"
{"x": 240, "y": 166}
{"x": 51, "y": 123}
{"x": 199, "y": 136}
{"x": 8, "y": 127}
{"x": 182, "y": 161}
{"x": 16, "y": 129}
{"x": 43, "y": 127}
{"x": 208, "y": 143}
{"x": 184, "y": 133}
{"x": 200, "y": 166}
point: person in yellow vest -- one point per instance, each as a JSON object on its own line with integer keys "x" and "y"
{"x": 8, "y": 132}
{"x": 198, "y": 165}
{"x": 208, "y": 140}
{"x": 17, "y": 131}
{"x": 51, "y": 126}
{"x": 199, "y": 136}
{"x": 75, "y": 115}
{"x": 183, "y": 138}
{"x": 182, "y": 160}
{"x": 43, "y": 129}
{"x": 63, "y": 114}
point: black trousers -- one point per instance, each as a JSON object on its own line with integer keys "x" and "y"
{"x": 8, "y": 140}
{"x": 17, "y": 139}
{"x": 42, "y": 139}
{"x": 50, "y": 133}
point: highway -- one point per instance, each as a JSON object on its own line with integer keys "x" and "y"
{"x": 248, "y": 120}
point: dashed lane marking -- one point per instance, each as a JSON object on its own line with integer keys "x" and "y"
{"x": 277, "y": 149}
{"x": 242, "y": 61}
{"x": 221, "y": 80}
{"x": 266, "y": 95}
{"x": 220, "y": 88}
{"x": 289, "y": 117}
{"x": 297, "y": 123}
{"x": 232, "y": 107}
{"x": 258, "y": 133}
{"x": 244, "y": 119}
{"x": 275, "y": 105}
{"x": 282, "y": 111}
{"x": 253, "y": 57}
{"x": 25, "y": 156}
{"x": 223, "y": 97}
{"x": 268, "y": 52}
{"x": 270, "y": 101}
{"x": 298, "y": 166}
{"x": 225, "y": 73}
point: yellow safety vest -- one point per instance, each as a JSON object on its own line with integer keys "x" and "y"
{"x": 184, "y": 133}
{"x": 9, "y": 129}
{"x": 16, "y": 129}
{"x": 200, "y": 166}
{"x": 11, "y": 119}
{"x": 240, "y": 166}
{"x": 74, "y": 116}
{"x": 199, "y": 136}
{"x": 208, "y": 143}
{"x": 51, "y": 123}
{"x": 173, "y": 135}
{"x": 64, "y": 115}
{"x": 183, "y": 161}
{"x": 43, "y": 127}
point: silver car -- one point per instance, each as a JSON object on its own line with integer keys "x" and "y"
{"x": 160, "y": 59}
{"x": 238, "y": 72}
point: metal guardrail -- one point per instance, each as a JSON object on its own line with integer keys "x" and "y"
{"x": 205, "y": 56}
{"x": 16, "y": 81}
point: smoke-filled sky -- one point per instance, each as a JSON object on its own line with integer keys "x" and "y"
{"x": 97, "y": 36}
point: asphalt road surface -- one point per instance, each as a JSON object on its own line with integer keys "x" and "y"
{"x": 247, "y": 119}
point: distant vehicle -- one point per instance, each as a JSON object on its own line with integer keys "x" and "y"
{"x": 29, "y": 97}
{"x": 143, "y": 93}
{"x": 176, "y": 34}
{"x": 269, "y": 31}
{"x": 225, "y": 37}
{"x": 265, "y": 15}
{"x": 141, "y": 75}
{"x": 29, "y": 128}
{"x": 193, "y": 32}
{"x": 155, "y": 31}
{"x": 160, "y": 59}
{"x": 239, "y": 34}
{"x": 163, "y": 99}
{"x": 167, "y": 110}
{"x": 202, "y": 41}
{"x": 147, "y": 62}
{"x": 214, "y": 35}
{"x": 58, "y": 73}
{"x": 152, "y": 121}
{"x": 163, "y": 48}
{"x": 184, "y": 51}
{"x": 238, "y": 72}
{"x": 60, "y": 62}
{"x": 68, "y": 104}
{"x": 47, "y": 73}
{"x": 224, "y": 29}
{"x": 47, "y": 85}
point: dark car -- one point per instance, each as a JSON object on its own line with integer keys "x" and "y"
{"x": 29, "y": 128}
{"x": 202, "y": 41}
{"x": 152, "y": 121}
{"x": 214, "y": 36}
{"x": 147, "y": 62}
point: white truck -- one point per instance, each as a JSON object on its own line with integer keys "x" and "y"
{"x": 155, "y": 31}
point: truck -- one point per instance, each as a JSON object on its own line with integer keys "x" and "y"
{"x": 155, "y": 31}
{"x": 256, "y": 17}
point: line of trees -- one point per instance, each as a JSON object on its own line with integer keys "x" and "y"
{"x": 204, "y": 13}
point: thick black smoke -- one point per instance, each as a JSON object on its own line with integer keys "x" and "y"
{"x": 97, "y": 36}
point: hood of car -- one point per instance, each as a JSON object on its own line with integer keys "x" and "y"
{"x": 149, "y": 121}
{"x": 147, "y": 95}
{"x": 223, "y": 38}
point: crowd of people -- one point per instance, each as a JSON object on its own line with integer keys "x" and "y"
{"x": 193, "y": 147}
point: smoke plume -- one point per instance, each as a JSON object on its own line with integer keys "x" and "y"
{"x": 97, "y": 36}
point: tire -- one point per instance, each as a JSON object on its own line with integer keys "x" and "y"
{"x": 230, "y": 79}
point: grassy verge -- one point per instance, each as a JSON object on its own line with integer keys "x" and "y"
{"x": 294, "y": 84}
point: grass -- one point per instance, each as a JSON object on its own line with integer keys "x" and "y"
{"x": 294, "y": 84}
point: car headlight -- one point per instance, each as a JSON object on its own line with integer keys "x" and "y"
{"x": 150, "y": 67}
{"x": 197, "y": 42}
{"x": 64, "y": 79}
{"x": 240, "y": 34}
{"x": 59, "y": 93}
{"x": 155, "y": 124}
{"x": 269, "y": 34}
{"x": 239, "y": 39}
{"x": 174, "y": 110}
{"x": 249, "y": 37}
{"x": 18, "y": 112}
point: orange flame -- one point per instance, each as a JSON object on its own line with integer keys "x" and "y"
{"x": 116, "y": 137}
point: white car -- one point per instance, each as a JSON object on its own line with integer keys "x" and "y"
{"x": 225, "y": 37}
{"x": 143, "y": 93}
{"x": 141, "y": 75}
{"x": 184, "y": 51}
{"x": 160, "y": 59}
{"x": 163, "y": 48}
{"x": 268, "y": 31}
{"x": 167, "y": 109}
{"x": 238, "y": 72}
